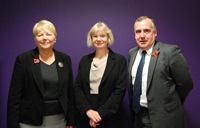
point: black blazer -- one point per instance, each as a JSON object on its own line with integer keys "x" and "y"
{"x": 112, "y": 86}
{"x": 168, "y": 84}
{"x": 25, "y": 100}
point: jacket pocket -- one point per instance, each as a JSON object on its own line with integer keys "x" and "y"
{"x": 170, "y": 106}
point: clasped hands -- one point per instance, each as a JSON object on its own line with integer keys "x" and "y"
{"x": 94, "y": 118}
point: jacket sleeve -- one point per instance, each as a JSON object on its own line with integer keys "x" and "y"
{"x": 71, "y": 116}
{"x": 180, "y": 73}
{"x": 14, "y": 95}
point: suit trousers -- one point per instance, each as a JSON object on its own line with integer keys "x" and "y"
{"x": 143, "y": 119}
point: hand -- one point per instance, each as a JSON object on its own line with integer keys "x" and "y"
{"x": 93, "y": 115}
{"x": 69, "y": 126}
{"x": 93, "y": 124}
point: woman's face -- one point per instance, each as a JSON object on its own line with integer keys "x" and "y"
{"x": 45, "y": 39}
{"x": 100, "y": 40}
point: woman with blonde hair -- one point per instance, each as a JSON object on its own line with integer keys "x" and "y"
{"x": 40, "y": 94}
{"x": 101, "y": 82}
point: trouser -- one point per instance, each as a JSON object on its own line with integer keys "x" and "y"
{"x": 53, "y": 121}
{"x": 143, "y": 119}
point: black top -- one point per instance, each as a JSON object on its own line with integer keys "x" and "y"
{"x": 50, "y": 80}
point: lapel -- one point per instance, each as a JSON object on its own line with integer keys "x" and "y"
{"x": 86, "y": 65}
{"x": 62, "y": 70}
{"x": 132, "y": 56}
{"x": 87, "y": 68}
{"x": 36, "y": 70}
{"x": 109, "y": 65}
{"x": 152, "y": 64}
{"x": 35, "y": 67}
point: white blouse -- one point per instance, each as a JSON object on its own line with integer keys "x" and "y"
{"x": 96, "y": 73}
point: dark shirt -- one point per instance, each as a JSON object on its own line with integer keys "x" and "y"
{"x": 50, "y": 80}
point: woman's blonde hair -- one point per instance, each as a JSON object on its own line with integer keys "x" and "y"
{"x": 44, "y": 24}
{"x": 100, "y": 27}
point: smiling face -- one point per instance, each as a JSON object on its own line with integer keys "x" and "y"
{"x": 145, "y": 33}
{"x": 100, "y": 40}
{"x": 100, "y": 36}
{"x": 45, "y": 39}
{"x": 45, "y": 35}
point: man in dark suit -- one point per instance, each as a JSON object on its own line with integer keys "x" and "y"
{"x": 165, "y": 81}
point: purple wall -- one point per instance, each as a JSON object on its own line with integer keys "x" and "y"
{"x": 177, "y": 23}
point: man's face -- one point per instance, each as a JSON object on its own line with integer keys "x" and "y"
{"x": 145, "y": 34}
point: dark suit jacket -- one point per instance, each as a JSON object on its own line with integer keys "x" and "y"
{"x": 111, "y": 90}
{"x": 168, "y": 84}
{"x": 25, "y": 100}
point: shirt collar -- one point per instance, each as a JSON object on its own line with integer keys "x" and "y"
{"x": 149, "y": 51}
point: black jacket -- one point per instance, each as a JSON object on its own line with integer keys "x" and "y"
{"x": 111, "y": 89}
{"x": 25, "y": 100}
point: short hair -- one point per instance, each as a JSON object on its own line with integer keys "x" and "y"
{"x": 44, "y": 24}
{"x": 141, "y": 18}
{"x": 100, "y": 27}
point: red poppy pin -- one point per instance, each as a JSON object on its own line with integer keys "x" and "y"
{"x": 36, "y": 61}
{"x": 155, "y": 53}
